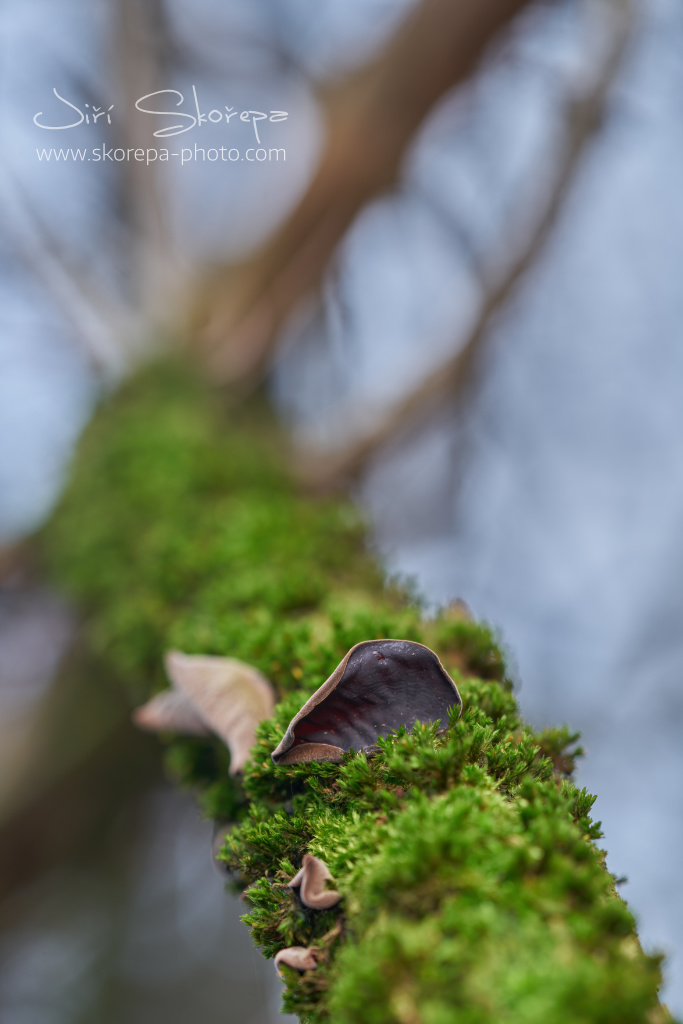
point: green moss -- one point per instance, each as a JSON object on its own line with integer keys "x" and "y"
{"x": 473, "y": 889}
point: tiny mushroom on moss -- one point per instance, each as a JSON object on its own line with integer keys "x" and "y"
{"x": 211, "y": 694}
{"x": 379, "y": 686}
{"x": 311, "y": 881}
{"x": 299, "y": 958}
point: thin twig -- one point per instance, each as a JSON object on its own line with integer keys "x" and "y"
{"x": 451, "y": 223}
{"x": 99, "y": 327}
{"x": 583, "y": 117}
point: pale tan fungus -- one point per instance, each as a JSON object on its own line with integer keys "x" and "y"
{"x": 311, "y": 881}
{"x": 170, "y": 711}
{"x": 211, "y": 694}
{"x": 299, "y": 958}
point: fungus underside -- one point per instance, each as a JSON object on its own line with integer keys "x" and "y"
{"x": 472, "y": 885}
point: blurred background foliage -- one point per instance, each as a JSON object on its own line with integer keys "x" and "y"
{"x": 461, "y": 288}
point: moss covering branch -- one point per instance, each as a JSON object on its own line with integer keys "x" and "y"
{"x": 473, "y": 888}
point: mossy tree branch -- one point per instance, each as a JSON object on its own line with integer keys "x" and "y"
{"x": 472, "y": 884}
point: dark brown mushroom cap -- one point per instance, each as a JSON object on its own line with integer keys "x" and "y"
{"x": 379, "y": 686}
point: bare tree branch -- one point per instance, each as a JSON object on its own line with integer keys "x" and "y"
{"x": 141, "y": 49}
{"x": 106, "y": 328}
{"x": 450, "y": 222}
{"x": 100, "y": 327}
{"x": 372, "y": 118}
{"x": 583, "y": 117}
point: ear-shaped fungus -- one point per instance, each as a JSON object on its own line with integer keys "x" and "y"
{"x": 379, "y": 686}
{"x": 311, "y": 881}
{"x": 170, "y": 711}
{"x": 211, "y": 694}
{"x": 299, "y": 958}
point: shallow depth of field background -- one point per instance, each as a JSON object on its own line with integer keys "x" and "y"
{"x": 550, "y": 499}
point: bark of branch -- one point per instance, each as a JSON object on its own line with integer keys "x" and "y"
{"x": 583, "y": 118}
{"x": 140, "y": 45}
{"x": 371, "y": 120}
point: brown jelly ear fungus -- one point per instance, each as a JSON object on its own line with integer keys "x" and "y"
{"x": 379, "y": 686}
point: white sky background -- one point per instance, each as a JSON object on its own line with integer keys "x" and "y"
{"x": 555, "y": 508}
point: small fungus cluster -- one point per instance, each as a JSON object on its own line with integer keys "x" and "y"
{"x": 378, "y": 687}
{"x": 310, "y": 884}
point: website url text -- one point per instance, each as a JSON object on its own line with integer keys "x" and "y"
{"x": 109, "y": 154}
